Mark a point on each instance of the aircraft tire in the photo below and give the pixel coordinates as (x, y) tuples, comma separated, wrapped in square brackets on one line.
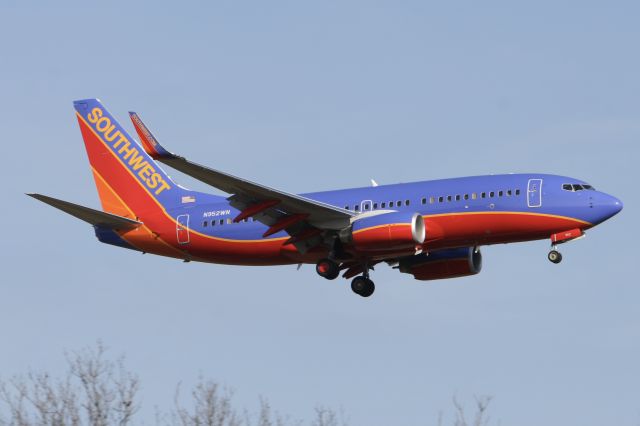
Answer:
[(554, 256), (363, 286), (328, 269)]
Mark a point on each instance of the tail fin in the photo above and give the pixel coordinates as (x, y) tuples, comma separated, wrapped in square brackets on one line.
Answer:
[(129, 181)]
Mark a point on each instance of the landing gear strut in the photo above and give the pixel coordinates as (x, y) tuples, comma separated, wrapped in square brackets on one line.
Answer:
[(328, 269), (561, 238), (554, 256)]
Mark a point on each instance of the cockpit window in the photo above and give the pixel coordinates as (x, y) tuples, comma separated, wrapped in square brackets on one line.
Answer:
[(573, 187)]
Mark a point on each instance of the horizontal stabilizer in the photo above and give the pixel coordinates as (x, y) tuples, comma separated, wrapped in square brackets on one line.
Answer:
[(94, 217)]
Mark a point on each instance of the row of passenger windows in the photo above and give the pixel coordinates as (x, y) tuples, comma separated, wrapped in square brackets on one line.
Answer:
[(228, 221), (400, 203), (440, 199)]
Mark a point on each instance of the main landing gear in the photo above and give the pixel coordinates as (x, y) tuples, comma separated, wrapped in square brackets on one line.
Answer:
[(328, 269), (361, 285)]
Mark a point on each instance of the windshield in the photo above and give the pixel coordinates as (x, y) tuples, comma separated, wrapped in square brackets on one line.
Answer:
[(573, 187)]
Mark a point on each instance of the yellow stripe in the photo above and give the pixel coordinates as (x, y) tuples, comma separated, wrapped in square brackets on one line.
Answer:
[(479, 213), (380, 226), (263, 240), (510, 212)]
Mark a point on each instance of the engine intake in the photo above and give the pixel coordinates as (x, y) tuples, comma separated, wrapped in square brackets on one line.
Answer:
[(450, 263), (388, 231)]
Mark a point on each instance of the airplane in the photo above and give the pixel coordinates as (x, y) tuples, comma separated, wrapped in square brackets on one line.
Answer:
[(430, 229)]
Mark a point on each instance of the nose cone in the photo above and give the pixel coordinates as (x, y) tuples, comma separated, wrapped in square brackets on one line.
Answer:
[(608, 206)]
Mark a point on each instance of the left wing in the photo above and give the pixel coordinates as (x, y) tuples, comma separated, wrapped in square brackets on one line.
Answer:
[(299, 216)]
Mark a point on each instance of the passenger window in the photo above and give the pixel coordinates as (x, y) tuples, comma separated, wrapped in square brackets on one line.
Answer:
[(366, 206), (457, 198), (357, 208), (221, 221), (346, 207), (383, 205), (508, 193), (229, 221), (500, 193), (213, 223), (204, 223), (440, 199), (407, 202), (390, 203), (517, 192), (491, 194), (466, 196), (483, 195), (474, 196), (449, 198), (424, 201), (375, 206), (399, 203), (432, 200)]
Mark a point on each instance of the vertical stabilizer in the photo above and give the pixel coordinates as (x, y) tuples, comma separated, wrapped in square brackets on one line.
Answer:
[(129, 181)]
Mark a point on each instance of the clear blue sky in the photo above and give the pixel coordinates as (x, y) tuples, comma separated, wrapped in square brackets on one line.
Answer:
[(307, 96)]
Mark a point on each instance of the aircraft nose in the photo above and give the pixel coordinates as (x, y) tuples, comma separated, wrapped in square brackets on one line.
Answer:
[(609, 206)]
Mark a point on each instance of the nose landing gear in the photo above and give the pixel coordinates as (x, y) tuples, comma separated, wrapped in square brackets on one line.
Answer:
[(554, 256)]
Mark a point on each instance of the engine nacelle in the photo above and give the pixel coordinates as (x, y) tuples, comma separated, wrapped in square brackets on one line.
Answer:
[(450, 263), (388, 231)]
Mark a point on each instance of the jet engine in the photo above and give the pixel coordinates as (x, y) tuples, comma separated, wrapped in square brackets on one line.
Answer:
[(448, 263), (387, 231)]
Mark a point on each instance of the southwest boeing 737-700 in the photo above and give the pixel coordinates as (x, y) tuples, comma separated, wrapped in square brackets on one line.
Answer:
[(430, 229)]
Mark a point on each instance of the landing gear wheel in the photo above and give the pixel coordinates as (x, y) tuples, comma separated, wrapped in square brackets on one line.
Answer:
[(328, 269), (554, 256), (363, 286)]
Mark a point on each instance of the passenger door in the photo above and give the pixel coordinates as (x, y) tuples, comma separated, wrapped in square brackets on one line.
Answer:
[(534, 193)]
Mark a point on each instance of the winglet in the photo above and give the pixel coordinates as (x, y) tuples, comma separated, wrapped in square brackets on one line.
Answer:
[(149, 142)]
